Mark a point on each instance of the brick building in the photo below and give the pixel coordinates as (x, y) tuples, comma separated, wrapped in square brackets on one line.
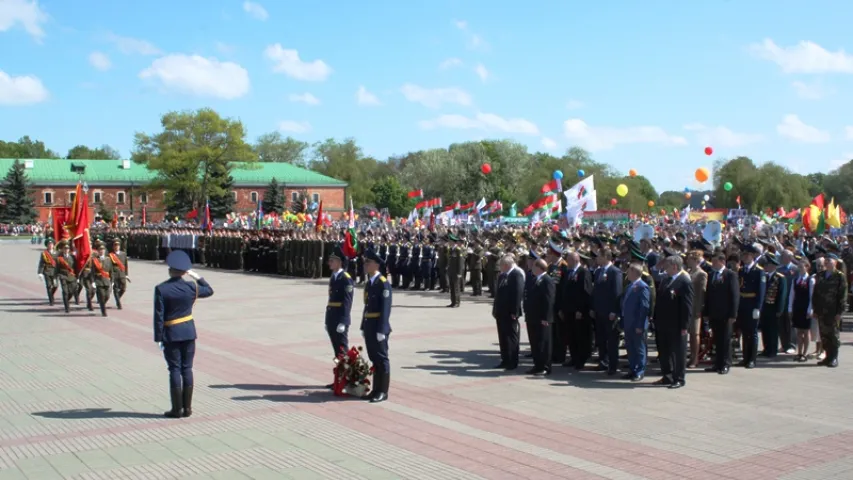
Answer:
[(120, 186)]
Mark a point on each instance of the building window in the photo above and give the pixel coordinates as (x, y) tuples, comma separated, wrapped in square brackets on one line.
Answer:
[(315, 197), (234, 193), (294, 196), (48, 198), (97, 197), (72, 196), (143, 198), (120, 198), (254, 197)]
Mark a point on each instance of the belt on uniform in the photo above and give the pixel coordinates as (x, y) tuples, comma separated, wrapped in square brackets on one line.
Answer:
[(372, 315), (178, 320), (747, 295), (334, 304)]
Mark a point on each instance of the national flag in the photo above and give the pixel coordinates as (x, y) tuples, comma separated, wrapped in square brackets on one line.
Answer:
[(544, 207), (432, 203), (259, 216), (452, 207), (814, 220), (550, 187), (415, 194), (833, 218), (144, 215), (114, 223), (61, 216), (467, 207), (82, 222), (819, 201), (319, 225), (738, 201), (581, 189), (192, 214), (206, 222), (350, 246), (480, 205)]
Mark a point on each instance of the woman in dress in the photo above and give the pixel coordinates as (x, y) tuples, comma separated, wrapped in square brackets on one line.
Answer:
[(800, 309)]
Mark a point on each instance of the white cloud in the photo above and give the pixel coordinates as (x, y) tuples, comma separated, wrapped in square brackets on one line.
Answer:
[(292, 126), (848, 133), (794, 128), (200, 76), (450, 63), (436, 97), (288, 62), (574, 104), (548, 143), (839, 162), (475, 41), (100, 61), (363, 97), (482, 72), (256, 10), (814, 91), (305, 98), (722, 136), (25, 13), (606, 138), (133, 46), (224, 48), (23, 90), (482, 121), (804, 57)]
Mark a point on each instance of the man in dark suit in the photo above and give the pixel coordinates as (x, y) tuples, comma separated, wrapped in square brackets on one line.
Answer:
[(636, 308), (673, 309), (540, 314), (720, 310), (507, 309), (606, 295), (576, 305)]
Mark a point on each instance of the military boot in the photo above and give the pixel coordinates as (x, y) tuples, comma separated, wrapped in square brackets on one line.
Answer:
[(382, 393), (177, 410), (188, 401)]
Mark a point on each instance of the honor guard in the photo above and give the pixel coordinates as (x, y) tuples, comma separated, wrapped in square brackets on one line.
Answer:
[(340, 303), (119, 272), (174, 328), (99, 277), (47, 269), (376, 325), (753, 283), (558, 270), (455, 270), (65, 273)]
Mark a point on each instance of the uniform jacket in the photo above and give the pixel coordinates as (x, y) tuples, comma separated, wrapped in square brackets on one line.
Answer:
[(753, 283), (540, 300), (99, 272), (829, 297), (47, 264), (674, 305), (377, 307), (340, 299), (722, 296), (606, 292), (173, 302), (775, 295), (636, 306), (118, 262), (65, 267)]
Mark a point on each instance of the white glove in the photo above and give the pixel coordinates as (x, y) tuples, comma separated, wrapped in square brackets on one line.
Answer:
[(756, 314), (93, 286), (341, 328), (380, 337), (193, 275), (41, 277), (161, 345), (362, 333)]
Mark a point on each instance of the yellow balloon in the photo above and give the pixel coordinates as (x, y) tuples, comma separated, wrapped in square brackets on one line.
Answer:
[(622, 190)]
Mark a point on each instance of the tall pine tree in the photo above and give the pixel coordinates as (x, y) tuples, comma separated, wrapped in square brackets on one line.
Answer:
[(19, 207), (298, 204), (221, 192), (273, 198)]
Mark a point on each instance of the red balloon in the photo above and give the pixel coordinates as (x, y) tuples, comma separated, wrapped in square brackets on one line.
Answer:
[(372, 214), (709, 151), (613, 201), (486, 169), (555, 228)]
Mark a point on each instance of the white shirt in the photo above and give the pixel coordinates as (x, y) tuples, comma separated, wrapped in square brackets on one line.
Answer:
[(337, 273), (375, 275)]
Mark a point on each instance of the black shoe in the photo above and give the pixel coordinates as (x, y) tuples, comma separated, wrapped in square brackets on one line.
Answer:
[(177, 410), (544, 373), (534, 371), (330, 386), (663, 381), (380, 397), (602, 368), (382, 394), (188, 401), (528, 355), (724, 371), (451, 305), (628, 376), (833, 363), (511, 368), (675, 385), (638, 378), (500, 366), (611, 373), (750, 365), (712, 369), (580, 367)]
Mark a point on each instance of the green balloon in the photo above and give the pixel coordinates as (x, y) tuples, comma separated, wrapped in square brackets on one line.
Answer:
[(728, 186)]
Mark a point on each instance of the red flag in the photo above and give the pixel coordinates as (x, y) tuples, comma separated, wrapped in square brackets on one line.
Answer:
[(842, 216), (192, 214), (143, 216), (82, 222), (319, 224), (61, 216), (819, 202), (738, 201), (415, 194), (552, 186)]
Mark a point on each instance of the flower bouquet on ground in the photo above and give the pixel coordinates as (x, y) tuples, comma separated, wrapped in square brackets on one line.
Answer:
[(352, 374)]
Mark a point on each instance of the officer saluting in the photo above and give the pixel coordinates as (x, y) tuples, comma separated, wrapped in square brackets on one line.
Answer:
[(174, 328), (340, 303), (376, 325)]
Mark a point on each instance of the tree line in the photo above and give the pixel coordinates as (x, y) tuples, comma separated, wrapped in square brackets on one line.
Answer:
[(195, 153)]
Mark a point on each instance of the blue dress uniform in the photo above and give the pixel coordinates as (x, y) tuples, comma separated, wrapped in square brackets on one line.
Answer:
[(427, 255), (415, 266), (376, 328), (775, 303), (753, 282), (174, 328), (339, 307), (404, 257)]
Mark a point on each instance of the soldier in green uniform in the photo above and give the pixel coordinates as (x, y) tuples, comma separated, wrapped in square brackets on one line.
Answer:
[(119, 273), (455, 267), (99, 277), (66, 274), (47, 269), (443, 260), (829, 301), (475, 266)]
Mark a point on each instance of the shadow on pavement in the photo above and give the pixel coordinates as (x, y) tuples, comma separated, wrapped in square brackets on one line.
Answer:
[(89, 413), (268, 388)]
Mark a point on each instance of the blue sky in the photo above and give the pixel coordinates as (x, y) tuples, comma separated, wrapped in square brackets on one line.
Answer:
[(644, 85)]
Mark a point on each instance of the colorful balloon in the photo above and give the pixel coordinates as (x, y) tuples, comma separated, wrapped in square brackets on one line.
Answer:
[(662, 211), (728, 186), (702, 174), (555, 228), (709, 151), (486, 169), (688, 195), (632, 172), (707, 198), (581, 173), (558, 175), (622, 190), (651, 203), (613, 201)]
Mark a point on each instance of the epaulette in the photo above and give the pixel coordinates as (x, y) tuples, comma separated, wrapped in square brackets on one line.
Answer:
[(759, 267), (346, 274), (779, 274), (382, 279)]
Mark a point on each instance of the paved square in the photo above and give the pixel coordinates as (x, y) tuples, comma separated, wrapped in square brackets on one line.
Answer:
[(81, 396)]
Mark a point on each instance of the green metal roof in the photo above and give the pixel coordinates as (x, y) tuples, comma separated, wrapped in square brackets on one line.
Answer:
[(47, 171)]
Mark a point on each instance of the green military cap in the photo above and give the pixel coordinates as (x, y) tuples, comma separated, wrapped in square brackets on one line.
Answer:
[(48, 241), (62, 244)]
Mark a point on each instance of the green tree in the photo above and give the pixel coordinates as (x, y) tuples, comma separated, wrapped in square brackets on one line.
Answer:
[(272, 147), (388, 193), (839, 185), (222, 199), (15, 190), (105, 214), (299, 204), (345, 161), (193, 155), (26, 148), (273, 198), (82, 152), (759, 188)]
